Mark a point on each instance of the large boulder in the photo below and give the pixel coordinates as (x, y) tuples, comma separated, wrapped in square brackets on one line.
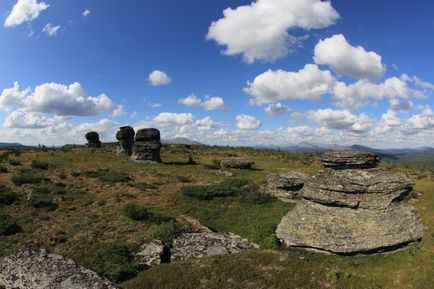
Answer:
[(237, 163), (38, 269), (350, 160), (355, 188), (198, 245), (150, 254), (125, 137), (147, 146), (346, 230), (92, 138), (284, 186)]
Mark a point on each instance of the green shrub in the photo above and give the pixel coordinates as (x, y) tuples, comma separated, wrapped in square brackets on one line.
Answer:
[(115, 177), (27, 178), (39, 165), (3, 169), (168, 231), (14, 163), (8, 226), (256, 197), (230, 187), (113, 260), (215, 165), (42, 201), (136, 212), (184, 179), (7, 197), (145, 186)]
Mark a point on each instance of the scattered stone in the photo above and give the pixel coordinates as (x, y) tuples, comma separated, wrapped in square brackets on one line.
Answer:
[(284, 186), (125, 137), (223, 173), (93, 140), (150, 253), (352, 207), (350, 160), (38, 269), (198, 245), (147, 145), (237, 163)]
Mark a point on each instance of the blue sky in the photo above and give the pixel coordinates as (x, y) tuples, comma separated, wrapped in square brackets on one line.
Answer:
[(261, 72)]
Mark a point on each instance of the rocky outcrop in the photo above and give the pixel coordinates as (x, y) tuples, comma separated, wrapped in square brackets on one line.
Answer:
[(92, 140), (237, 163), (38, 269), (125, 137), (198, 245), (147, 146), (350, 207), (284, 186), (150, 254)]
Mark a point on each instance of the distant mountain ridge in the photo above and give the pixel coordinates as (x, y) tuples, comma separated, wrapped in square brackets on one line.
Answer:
[(10, 145)]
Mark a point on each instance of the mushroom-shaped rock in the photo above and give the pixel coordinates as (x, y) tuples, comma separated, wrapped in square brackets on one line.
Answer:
[(147, 146), (92, 138), (125, 137)]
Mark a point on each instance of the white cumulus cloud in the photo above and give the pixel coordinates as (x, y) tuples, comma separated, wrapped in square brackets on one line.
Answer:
[(174, 119), (20, 119), (24, 10), (159, 78), (308, 83), (340, 120), (277, 108), (259, 31), (13, 96), (209, 103), (86, 13), (344, 58), (191, 100), (247, 122), (50, 29)]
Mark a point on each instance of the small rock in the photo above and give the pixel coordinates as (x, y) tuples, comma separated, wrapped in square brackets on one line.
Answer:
[(237, 163)]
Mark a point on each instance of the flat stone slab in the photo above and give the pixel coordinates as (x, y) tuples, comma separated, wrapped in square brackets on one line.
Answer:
[(38, 269), (198, 245), (237, 163), (347, 231), (355, 188), (350, 159), (284, 186)]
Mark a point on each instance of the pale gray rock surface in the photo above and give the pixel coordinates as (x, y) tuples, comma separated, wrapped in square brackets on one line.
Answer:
[(150, 253), (350, 159), (198, 245), (38, 269), (284, 186), (237, 163)]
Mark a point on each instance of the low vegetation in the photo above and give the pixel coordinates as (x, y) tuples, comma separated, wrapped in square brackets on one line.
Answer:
[(8, 226)]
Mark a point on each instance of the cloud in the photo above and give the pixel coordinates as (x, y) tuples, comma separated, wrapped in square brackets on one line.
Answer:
[(417, 81), (277, 108), (344, 58), (247, 122), (209, 103), (51, 30), (340, 120), (206, 123), (173, 119), (13, 96), (24, 10), (400, 104), (309, 83), (19, 119), (86, 13), (259, 31), (159, 78), (118, 111), (388, 121), (424, 120)]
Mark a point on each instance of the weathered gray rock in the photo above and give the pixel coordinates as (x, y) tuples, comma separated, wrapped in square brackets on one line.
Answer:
[(38, 269), (147, 146), (345, 230), (150, 253), (350, 160), (356, 188), (125, 137), (92, 140), (198, 245), (284, 186), (237, 163)]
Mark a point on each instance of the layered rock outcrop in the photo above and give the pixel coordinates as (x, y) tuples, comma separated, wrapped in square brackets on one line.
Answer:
[(237, 163), (38, 269), (284, 186), (351, 206), (125, 137), (92, 138), (147, 145)]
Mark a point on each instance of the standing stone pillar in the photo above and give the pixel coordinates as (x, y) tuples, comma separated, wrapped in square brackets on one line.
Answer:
[(93, 140), (147, 146), (125, 137)]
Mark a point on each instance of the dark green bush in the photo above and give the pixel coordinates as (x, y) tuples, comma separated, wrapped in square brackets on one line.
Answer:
[(215, 165), (230, 187), (27, 178), (8, 226), (115, 177), (136, 212), (256, 197), (39, 165), (3, 169), (7, 197), (14, 163), (168, 231), (42, 201), (145, 186), (113, 260)]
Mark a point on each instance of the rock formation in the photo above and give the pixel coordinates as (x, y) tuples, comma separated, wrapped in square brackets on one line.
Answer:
[(93, 140), (147, 145), (150, 254), (284, 186), (38, 269), (351, 206), (125, 137), (198, 245), (237, 163)]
